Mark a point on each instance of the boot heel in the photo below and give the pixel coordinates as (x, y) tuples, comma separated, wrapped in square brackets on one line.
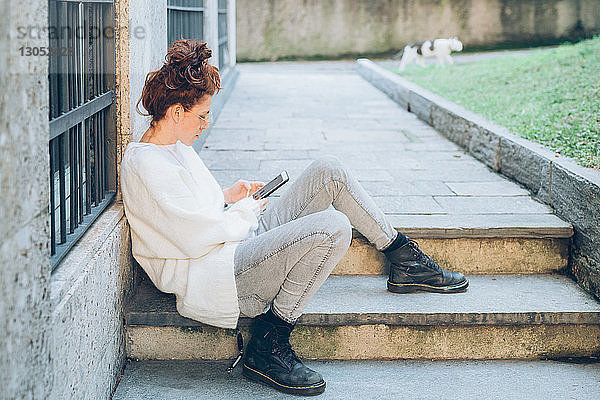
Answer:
[(400, 288)]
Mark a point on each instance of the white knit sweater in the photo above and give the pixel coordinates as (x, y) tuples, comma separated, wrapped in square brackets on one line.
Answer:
[(181, 235)]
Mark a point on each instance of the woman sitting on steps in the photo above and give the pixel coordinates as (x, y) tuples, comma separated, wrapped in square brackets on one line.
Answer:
[(263, 262)]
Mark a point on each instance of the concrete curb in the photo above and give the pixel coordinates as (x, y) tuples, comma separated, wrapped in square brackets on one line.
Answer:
[(571, 190)]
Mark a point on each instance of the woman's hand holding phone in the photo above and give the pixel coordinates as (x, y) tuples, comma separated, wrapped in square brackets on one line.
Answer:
[(242, 188), (258, 190)]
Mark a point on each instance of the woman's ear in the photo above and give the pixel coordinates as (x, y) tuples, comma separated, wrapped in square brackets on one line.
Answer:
[(176, 112)]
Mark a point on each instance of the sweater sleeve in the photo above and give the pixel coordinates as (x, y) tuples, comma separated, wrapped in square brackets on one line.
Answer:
[(165, 206)]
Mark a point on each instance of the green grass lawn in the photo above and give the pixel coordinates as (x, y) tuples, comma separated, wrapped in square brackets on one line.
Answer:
[(551, 96)]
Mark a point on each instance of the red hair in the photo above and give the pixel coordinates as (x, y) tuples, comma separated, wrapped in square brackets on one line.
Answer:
[(184, 78)]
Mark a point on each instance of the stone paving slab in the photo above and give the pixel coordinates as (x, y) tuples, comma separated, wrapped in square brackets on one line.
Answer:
[(191, 379), (504, 188), (422, 188), (492, 205), (409, 205)]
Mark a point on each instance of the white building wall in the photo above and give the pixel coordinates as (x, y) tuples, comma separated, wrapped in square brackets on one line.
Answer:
[(231, 32), (147, 50), (211, 29)]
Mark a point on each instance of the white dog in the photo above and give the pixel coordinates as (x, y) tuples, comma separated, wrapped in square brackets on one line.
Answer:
[(439, 48)]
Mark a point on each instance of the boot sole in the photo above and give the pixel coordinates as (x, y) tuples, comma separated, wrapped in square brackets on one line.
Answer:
[(258, 376), (419, 287)]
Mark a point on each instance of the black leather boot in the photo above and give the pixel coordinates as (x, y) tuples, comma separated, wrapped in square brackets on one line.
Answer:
[(270, 359), (411, 270)]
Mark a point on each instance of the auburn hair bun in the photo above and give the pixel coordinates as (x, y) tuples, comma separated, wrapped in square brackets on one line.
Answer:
[(184, 78), (187, 52), (186, 64)]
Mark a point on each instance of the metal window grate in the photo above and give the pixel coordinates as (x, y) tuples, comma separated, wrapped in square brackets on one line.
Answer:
[(82, 141), (185, 19)]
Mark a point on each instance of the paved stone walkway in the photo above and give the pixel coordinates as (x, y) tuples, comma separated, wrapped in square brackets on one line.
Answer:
[(381, 379), (284, 115)]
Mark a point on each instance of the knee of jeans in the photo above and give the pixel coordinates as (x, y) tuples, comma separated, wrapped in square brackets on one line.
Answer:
[(329, 164), (341, 228)]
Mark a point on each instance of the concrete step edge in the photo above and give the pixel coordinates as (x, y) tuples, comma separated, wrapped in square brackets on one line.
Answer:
[(517, 300), (392, 319), (457, 232)]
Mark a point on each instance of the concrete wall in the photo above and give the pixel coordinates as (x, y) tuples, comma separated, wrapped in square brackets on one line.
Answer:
[(309, 28), (89, 289), (146, 53), (24, 228)]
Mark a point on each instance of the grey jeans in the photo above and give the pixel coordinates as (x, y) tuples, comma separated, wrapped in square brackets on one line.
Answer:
[(300, 239)]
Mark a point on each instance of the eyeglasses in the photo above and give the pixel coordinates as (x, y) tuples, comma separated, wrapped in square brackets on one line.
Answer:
[(205, 119)]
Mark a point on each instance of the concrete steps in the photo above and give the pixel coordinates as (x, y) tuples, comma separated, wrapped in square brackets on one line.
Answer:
[(463, 214), (516, 306), (398, 379), (499, 317)]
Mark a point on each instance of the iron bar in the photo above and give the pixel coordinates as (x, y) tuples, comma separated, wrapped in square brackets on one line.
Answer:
[(86, 57), (62, 67), (52, 209), (79, 176), (75, 116), (72, 196), (101, 171), (72, 11), (102, 62), (61, 177), (94, 59), (182, 8), (96, 162), (88, 177)]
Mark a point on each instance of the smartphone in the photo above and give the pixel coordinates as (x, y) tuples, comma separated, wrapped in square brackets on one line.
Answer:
[(272, 186)]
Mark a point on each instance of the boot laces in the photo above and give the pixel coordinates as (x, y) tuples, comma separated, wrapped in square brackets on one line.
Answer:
[(422, 257), (283, 349)]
